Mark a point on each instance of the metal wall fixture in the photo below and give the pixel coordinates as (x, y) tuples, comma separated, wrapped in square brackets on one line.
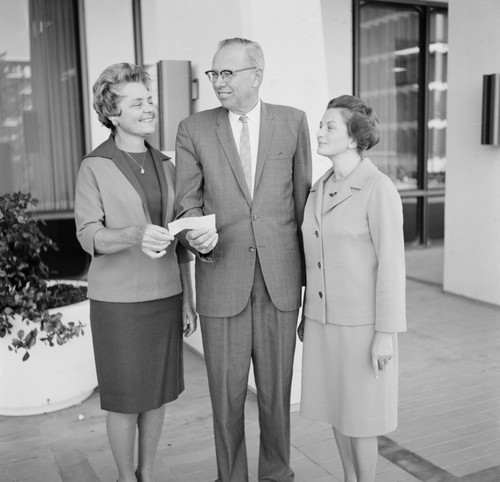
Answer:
[(490, 119)]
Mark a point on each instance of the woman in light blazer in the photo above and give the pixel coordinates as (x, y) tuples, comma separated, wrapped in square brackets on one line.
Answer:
[(355, 293), (139, 280)]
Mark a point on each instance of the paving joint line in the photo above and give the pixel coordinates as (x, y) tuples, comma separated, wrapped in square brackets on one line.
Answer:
[(425, 470)]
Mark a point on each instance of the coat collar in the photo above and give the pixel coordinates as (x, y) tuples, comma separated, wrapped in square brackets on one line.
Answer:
[(355, 182), (109, 150)]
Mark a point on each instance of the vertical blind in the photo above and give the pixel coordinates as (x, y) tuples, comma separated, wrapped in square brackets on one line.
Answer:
[(41, 120), (389, 73)]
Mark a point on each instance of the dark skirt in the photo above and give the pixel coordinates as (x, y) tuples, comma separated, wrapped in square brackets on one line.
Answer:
[(138, 353)]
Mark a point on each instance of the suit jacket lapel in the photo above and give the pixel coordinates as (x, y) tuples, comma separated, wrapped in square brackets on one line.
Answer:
[(266, 132), (226, 138)]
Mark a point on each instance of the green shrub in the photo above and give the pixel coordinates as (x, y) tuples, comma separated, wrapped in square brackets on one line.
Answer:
[(24, 287)]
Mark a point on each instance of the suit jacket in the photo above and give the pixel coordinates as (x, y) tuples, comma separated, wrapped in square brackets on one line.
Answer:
[(210, 180), (109, 195), (354, 251)]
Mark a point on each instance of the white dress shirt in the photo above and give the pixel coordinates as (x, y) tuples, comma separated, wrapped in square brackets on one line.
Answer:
[(253, 132)]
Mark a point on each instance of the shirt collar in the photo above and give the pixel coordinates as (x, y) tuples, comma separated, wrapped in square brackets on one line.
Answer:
[(253, 115)]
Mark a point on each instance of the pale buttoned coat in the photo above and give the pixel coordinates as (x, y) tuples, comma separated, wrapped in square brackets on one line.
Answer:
[(354, 251)]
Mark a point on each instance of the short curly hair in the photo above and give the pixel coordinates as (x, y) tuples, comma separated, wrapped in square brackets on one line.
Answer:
[(106, 89), (361, 120)]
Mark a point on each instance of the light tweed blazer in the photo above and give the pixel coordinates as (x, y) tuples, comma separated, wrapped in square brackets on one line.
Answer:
[(109, 195), (210, 179), (354, 248)]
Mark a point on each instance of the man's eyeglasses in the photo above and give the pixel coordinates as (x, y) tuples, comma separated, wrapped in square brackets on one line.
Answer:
[(226, 75)]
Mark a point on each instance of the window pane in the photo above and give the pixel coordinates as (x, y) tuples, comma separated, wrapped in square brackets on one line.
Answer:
[(41, 121), (412, 225), (388, 80), (436, 217), (438, 88)]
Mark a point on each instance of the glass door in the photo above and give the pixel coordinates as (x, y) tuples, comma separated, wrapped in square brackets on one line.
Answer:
[(400, 69)]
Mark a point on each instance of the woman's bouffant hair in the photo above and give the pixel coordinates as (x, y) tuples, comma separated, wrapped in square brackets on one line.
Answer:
[(106, 89), (360, 118)]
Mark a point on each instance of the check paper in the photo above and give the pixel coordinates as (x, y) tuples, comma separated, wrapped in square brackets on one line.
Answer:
[(195, 222)]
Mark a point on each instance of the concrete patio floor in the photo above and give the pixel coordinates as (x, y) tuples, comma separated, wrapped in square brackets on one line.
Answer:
[(449, 426)]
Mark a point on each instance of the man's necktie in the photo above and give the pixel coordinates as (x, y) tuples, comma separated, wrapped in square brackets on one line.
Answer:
[(246, 160)]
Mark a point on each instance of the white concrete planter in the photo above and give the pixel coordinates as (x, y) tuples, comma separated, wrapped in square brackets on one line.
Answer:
[(52, 378)]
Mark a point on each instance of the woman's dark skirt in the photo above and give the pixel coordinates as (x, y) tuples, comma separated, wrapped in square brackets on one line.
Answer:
[(138, 353)]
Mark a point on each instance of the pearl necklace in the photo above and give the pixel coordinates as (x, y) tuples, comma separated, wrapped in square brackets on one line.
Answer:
[(143, 160)]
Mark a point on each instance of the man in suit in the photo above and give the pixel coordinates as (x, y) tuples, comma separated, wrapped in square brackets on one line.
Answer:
[(254, 173)]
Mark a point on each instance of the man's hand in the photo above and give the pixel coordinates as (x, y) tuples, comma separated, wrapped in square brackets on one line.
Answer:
[(203, 240)]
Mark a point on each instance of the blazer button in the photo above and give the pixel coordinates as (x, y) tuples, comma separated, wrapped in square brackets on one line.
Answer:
[(254, 217), (320, 294), (251, 249), (316, 234), (319, 264)]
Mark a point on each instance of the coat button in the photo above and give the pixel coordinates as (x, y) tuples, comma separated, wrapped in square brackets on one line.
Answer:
[(320, 294), (254, 217), (251, 249), (316, 234), (319, 264)]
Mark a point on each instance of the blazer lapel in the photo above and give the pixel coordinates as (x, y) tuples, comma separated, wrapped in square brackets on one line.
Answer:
[(226, 138), (166, 186), (266, 132)]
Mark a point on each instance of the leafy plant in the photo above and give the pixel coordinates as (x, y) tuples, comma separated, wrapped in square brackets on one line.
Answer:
[(24, 285)]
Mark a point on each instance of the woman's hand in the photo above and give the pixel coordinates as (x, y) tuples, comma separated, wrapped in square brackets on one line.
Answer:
[(300, 329), (189, 318), (382, 351), (154, 240)]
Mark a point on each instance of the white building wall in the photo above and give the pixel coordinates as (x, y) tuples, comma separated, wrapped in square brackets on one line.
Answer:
[(180, 30), (108, 39), (289, 31), (472, 209)]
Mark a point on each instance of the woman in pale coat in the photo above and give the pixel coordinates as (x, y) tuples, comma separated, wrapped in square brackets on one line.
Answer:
[(355, 295), (140, 287)]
